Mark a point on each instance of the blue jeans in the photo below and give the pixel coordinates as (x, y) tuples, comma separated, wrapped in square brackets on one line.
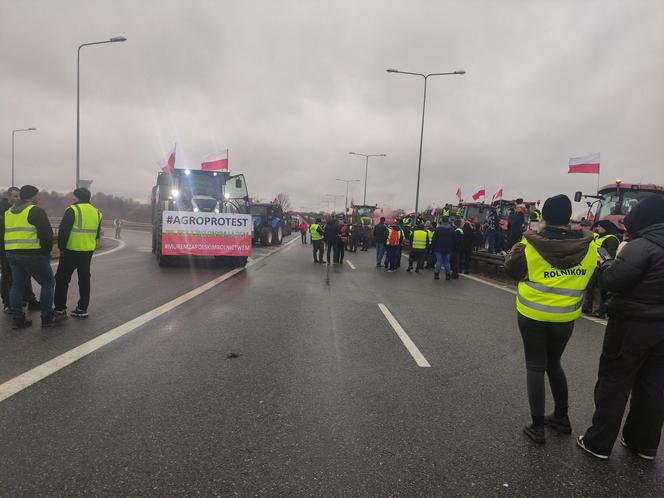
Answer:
[(380, 253), (442, 259), (38, 267), (493, 237)]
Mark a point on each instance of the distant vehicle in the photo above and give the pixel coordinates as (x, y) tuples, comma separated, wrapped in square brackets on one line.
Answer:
[(270, 224), (615, 200), (363, 218), (197, 191), (475, 211)]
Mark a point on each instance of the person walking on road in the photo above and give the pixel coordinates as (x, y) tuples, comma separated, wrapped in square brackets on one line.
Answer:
[(316, 235), (469, 235), (303, 231), (332, 240), (117, 223), (632, 360), (458, 249), (28, 240), (393, 242), (13, 196), (553, 268), (419, 243), (77, 238), (442, 245), (343, 241), (380, 237)]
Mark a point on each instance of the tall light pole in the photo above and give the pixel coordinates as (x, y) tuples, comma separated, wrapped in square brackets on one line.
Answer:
[(347, 182), (366, 169), (14, 133), (424, 103), (115, 39)]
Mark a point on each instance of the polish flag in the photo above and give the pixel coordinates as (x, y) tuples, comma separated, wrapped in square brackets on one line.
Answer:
[(215, 162), (591, 216), (585, 164), (479, 192), (170, 164), (497, 195), (458, 193)]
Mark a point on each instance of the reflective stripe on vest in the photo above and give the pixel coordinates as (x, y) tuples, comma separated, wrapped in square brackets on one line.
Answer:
[(554, 294), (599, 239), (83, 236), (419, 239), (446, 212), (459, 230), (313, 229), (19, 232)]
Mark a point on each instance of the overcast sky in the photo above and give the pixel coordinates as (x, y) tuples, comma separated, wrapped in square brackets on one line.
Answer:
[(291, 87)]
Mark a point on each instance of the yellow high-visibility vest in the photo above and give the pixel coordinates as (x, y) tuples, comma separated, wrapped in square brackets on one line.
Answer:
[(19, 232), (554, 294), (313, 229), (83, 236), (420, 239), (446, 212)]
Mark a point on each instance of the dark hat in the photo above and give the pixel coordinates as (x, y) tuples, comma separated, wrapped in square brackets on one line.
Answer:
[(557, 210), (28, 192), (82, 194), (607, 225), (648, 211)]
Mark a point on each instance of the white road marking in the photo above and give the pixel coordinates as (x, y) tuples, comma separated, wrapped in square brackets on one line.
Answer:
[(350, 263), (44, 370), (27, 379), (121, 245), (512, 291), (410, 345)]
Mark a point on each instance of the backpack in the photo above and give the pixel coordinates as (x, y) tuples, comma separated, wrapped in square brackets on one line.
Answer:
[(393, 239)]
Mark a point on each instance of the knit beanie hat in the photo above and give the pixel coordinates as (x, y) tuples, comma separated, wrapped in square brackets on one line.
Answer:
[(557, 210), (648, 211), (82, 194), (28, 192)]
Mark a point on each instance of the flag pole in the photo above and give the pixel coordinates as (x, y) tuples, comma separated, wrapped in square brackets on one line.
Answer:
[(228, 162)]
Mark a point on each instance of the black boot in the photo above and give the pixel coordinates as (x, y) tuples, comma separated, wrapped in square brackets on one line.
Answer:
[(536, 433), (560, 424), (436, 276), (53, 320), (20, 322), (447, 276)]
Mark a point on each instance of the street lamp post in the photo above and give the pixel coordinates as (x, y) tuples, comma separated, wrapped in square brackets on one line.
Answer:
[(115, 39), (366, 169), (347, 182), (424, 103), (14, 133)]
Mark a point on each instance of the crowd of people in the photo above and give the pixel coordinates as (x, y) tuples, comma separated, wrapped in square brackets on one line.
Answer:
[(27, 242), (561, 272)]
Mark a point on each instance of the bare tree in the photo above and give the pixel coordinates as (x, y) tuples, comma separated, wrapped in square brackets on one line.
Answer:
[(283, 201)]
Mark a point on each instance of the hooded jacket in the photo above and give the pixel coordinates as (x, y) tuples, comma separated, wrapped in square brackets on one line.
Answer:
[(635, 279), (443, 239), (37, 217), (561, 247)]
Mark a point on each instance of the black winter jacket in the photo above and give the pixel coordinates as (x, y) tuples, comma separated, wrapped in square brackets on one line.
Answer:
[(380, 233), (635, 279), (443, 239), (39, 219)]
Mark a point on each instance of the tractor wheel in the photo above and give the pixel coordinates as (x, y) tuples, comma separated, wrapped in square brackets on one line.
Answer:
[(278, 236), (266, 237)]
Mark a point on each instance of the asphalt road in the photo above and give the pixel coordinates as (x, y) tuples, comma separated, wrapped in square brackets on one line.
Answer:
[(288, 380)]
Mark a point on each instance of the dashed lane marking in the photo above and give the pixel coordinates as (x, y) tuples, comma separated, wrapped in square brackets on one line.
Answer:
[(410, 345), (34, 375), (350, 263)]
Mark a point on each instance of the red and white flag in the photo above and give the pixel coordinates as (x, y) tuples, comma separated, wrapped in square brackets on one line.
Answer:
[(170, 164), (458, 193), (585, 164), (214, 162), (497, 195), (479, 192)]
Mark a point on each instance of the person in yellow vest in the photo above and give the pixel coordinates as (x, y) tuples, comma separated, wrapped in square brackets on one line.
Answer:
[(77, 239), (419, 243), (317, 234), (607, 237), (27, 236), (553, 268)]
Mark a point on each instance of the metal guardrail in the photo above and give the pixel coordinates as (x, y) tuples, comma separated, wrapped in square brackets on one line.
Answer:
[(128, 225)]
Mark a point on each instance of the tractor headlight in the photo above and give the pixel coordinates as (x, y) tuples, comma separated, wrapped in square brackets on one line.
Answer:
[(175, 193)]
